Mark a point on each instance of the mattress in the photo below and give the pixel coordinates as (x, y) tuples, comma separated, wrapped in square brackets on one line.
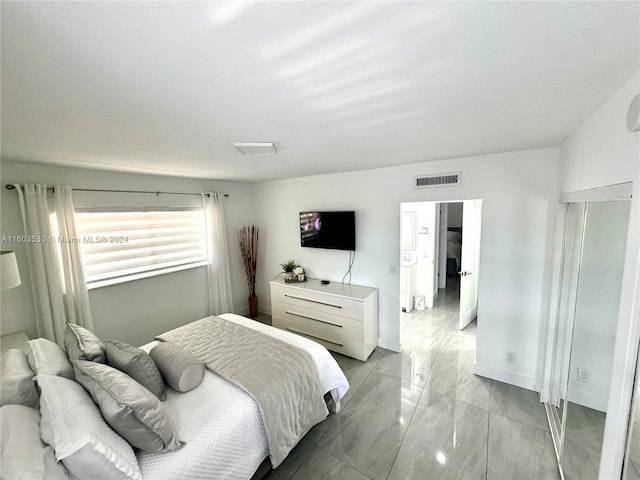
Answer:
[(221, 423)]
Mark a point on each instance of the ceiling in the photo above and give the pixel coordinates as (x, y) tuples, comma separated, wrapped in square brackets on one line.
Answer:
[(167, 87)]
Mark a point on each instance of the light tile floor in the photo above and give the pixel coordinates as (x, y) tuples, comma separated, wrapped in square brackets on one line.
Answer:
[(422, 414), (584, 430), (633, 467)]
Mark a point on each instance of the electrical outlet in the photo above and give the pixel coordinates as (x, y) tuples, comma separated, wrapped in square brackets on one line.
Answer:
[(583, 375), (510, 357)]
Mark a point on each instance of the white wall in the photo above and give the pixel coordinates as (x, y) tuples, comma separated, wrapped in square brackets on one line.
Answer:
[(602, 152), (519, 193), (134, 311), (425, 252), (454, 215)]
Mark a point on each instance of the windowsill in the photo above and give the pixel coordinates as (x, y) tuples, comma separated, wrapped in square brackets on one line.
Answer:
[(139, 276)]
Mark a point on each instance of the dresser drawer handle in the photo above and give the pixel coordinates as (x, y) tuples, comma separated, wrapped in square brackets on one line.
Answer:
[(313, 336), (314, 319), (313, 301)]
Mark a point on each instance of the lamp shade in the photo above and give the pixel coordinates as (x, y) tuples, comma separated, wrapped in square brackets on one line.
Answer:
[(633, 115), (9, 273)]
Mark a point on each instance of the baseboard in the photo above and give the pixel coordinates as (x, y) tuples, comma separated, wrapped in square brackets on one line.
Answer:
[(512, 378), (244, 311), (587, 399), (393, 346)]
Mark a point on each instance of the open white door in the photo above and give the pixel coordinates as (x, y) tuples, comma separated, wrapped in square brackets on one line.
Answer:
[(469, 261)]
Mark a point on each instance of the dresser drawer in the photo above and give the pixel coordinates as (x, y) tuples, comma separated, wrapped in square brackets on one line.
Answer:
[(345, 307), (344, 345), (317, 320)]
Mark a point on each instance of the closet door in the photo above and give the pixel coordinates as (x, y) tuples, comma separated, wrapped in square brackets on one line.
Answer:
[(572, 253), (592, 343), (595, 238)]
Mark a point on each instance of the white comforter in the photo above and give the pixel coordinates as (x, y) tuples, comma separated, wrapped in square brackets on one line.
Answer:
[(222, 424)]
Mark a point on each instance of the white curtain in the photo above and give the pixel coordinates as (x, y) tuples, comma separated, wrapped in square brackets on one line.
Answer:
[(55, 263), (220, 298)]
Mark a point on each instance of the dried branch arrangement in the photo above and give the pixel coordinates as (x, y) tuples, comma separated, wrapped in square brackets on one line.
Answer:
[(248, 239)]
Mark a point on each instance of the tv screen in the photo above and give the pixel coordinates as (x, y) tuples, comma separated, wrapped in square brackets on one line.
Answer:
[(336, 230)]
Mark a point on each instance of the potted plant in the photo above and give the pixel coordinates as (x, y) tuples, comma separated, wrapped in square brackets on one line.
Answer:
[(248, 239), (287, 268)]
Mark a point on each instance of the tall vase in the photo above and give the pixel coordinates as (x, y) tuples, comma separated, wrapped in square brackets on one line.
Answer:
[(253, 306)]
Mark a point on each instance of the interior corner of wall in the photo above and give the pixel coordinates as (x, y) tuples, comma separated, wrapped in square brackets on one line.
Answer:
[(392, 345), (512, 378)]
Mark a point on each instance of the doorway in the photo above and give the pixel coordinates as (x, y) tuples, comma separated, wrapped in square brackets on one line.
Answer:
[(440, 258)]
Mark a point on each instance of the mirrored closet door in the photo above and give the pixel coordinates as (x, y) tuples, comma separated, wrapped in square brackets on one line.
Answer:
[(595, 235), (632, 461)]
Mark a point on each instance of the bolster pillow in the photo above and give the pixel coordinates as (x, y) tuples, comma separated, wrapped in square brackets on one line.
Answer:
[(180, 370)]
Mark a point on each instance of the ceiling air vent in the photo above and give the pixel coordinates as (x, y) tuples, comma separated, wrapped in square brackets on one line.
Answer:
[(438, 180)]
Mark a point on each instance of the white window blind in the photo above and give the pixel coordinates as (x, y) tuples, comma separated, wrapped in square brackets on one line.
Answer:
[(127, 245)]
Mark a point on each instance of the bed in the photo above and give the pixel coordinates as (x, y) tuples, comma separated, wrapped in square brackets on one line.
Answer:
[(228, 436), (223, 425)]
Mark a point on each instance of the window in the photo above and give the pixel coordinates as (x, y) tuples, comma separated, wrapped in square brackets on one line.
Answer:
[(119, 246)]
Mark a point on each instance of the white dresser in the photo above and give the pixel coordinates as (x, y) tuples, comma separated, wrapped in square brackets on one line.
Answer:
[(343, 318)]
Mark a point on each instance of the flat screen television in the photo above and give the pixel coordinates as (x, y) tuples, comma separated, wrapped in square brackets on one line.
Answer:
[(335, 230)]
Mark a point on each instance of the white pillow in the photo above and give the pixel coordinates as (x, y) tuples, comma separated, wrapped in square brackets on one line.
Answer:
[(23, 454), (48, 358), (71, 423), (16, 380)]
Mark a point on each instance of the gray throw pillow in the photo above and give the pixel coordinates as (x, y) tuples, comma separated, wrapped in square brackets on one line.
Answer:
[(16, 380), (81, 344), (47, 358), (129, 408), (137, 364), (181, 370)]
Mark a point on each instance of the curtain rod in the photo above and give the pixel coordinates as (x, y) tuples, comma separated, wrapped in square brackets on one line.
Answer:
[(12, 187)]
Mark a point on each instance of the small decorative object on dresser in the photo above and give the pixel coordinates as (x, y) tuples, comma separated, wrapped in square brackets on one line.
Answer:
[(248, 239), (299, 273), (343, 318), (287, 269)]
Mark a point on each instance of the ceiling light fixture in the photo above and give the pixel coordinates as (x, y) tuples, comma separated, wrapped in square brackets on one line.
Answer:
[(256, 148)]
